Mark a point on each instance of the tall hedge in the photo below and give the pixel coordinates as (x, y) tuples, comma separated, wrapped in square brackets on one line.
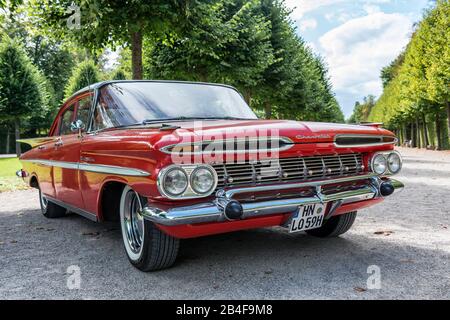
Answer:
[(22, 87), (82, 76)]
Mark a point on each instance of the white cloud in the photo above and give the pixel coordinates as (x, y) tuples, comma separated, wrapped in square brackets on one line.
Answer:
[(371, 9), (357, 50), (305, 24)]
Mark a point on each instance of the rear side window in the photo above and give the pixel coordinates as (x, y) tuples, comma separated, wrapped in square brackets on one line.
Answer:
[(66, 120)]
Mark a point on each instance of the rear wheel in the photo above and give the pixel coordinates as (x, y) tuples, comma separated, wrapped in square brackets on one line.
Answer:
[(335, 226), (147, 247), (49, 209)]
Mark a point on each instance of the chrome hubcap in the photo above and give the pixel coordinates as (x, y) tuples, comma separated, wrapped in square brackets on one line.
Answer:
[(133, 221)]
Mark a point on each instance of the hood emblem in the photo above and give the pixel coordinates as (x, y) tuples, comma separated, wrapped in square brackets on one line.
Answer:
[(319, 136)]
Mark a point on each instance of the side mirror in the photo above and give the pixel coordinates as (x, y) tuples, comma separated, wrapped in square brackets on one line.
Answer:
[(77, 126)]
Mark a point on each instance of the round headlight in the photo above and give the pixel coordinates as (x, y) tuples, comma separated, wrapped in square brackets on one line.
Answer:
[(175, 182), (202, 180), (379, 164), (394, 163)]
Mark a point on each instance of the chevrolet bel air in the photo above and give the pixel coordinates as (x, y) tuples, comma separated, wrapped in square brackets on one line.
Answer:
[(172, 160)]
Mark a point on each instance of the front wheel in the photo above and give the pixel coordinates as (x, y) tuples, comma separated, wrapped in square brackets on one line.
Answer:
[(147, 247), (335, 226), (49, 209)]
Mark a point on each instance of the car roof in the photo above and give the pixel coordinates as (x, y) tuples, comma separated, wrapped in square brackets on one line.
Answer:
[(100, 84)]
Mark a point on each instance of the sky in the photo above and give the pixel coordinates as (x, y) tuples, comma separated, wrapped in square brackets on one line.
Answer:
[(356, 38)]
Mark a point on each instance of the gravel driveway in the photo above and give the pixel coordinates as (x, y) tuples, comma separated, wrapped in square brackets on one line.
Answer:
[(407, 238)]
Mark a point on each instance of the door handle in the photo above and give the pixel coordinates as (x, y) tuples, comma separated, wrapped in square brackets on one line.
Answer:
[(59, 142)]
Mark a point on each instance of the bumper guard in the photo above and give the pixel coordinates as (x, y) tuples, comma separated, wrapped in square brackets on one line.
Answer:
[(213, 211)]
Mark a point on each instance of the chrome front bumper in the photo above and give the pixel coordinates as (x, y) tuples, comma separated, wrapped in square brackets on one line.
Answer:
[(213, 211)]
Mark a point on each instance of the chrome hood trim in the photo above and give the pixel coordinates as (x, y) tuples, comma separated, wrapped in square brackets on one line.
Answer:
[(222, 146)]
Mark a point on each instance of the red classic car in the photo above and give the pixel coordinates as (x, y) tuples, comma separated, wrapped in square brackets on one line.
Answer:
[(172, 160)]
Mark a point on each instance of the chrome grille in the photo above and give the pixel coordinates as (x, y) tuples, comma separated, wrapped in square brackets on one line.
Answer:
[(288, 169)]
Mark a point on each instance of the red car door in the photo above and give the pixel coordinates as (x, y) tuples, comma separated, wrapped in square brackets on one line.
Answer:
[(66, 157)]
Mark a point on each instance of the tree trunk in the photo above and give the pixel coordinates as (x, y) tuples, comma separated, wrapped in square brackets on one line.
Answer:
[(268, 110), (438, 133), (7, 141), (247, 97), (420, 133), (448, 115), (136, 55), (425, 131), (17, 133)]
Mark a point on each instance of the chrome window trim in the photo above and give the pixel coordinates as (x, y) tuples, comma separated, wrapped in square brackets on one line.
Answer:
[(288, 141), (96, 168), (189, 193), (381, 143)]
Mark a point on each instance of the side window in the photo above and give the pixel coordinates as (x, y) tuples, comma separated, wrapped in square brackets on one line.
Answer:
[(66, 120), (84, 107)]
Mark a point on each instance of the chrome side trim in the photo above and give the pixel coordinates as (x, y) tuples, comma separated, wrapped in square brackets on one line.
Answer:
[(71, 208), (212, 211), (124, 171), (97, 168), (381, 143)]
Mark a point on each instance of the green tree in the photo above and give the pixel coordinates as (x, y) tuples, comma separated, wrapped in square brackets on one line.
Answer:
[(416, 101), (105, 23), (225, 41), (391, 71), (119, 74), (22, 87), (253, 46), (84, 75), (362, 111)]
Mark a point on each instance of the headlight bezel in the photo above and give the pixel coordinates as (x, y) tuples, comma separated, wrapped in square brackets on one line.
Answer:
[(396, 153), (386, 155), (189, 192), (213, 176), (374, 158)]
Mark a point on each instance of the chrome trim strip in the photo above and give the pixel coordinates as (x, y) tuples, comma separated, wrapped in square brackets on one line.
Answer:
[(365, 144), (97, 168), (289, 144), (71, 208), (124, 171), (212, 211)]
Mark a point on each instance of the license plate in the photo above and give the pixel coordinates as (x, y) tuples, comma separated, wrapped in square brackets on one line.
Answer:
[(308, 217)]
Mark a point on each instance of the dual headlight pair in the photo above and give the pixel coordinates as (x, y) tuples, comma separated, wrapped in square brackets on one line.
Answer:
[(386, 163), (187, 181)]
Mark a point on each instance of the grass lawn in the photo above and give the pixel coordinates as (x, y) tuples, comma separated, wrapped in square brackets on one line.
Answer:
[(8, 179)]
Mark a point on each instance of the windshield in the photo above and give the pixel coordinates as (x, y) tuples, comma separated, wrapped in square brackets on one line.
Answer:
[(130, 103)]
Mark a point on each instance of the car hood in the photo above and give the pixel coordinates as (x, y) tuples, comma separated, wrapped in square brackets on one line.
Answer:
[(298, 132)]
